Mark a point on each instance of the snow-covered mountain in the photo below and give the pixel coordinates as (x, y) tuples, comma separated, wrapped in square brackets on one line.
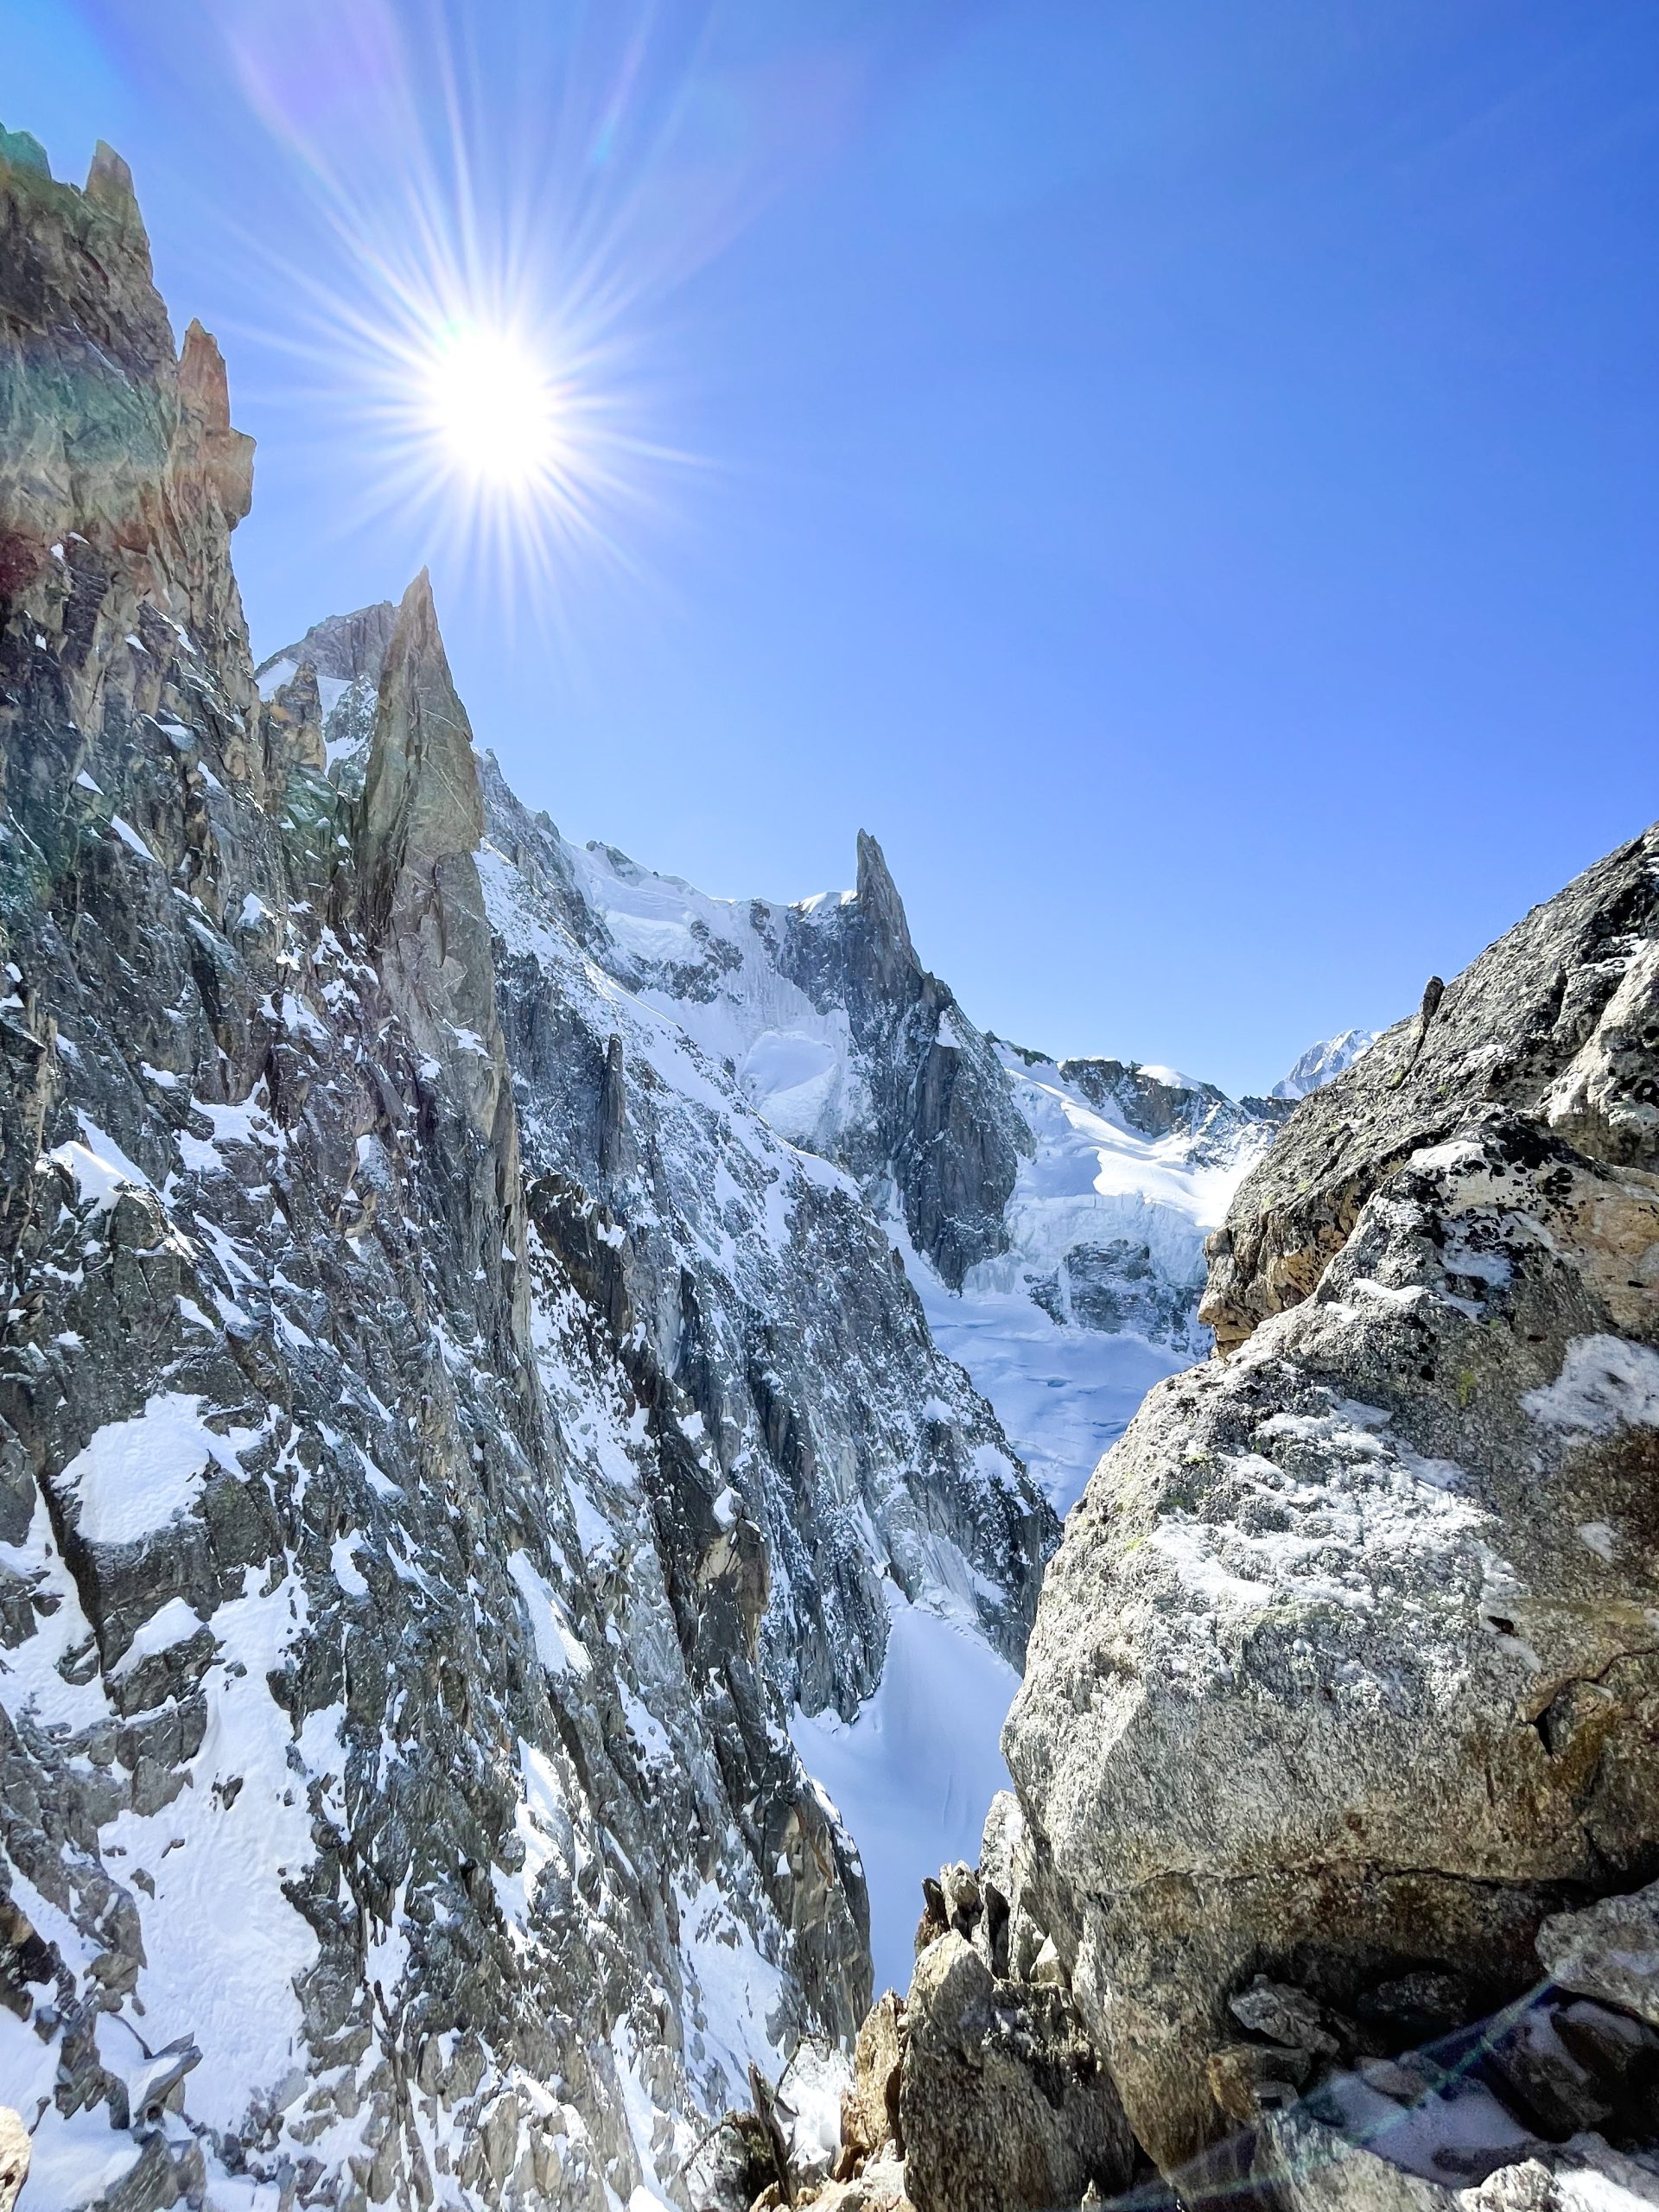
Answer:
[(1322, 1063), (1052, 1215), (450, 1441)]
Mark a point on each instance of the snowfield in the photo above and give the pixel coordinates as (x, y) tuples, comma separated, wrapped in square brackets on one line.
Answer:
[(913, 1775)]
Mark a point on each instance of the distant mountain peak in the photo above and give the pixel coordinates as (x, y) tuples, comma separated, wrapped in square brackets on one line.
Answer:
[(879, 905), (1323, 1062), (347, 648)]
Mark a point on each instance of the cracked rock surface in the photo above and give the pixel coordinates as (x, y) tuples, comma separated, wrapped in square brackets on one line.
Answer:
[(1347, 1670)]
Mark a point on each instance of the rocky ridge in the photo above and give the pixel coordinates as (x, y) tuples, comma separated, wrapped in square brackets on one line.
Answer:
[(444, 1430), (1329, 1871), (1051, 1214), (1343, 1681)]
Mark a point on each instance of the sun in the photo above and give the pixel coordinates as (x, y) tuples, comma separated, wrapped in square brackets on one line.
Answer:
[(492, 407), (502, 398)]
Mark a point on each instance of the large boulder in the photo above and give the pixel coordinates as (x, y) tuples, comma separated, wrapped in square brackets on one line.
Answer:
[(1610, 1950), (1345, 1673), (1317, 2167)]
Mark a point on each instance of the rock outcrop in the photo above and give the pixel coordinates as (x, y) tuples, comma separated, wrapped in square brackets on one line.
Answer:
[(1345, 1675), (321, 696), (121, 478), (14, 2157), (981, 2090), (444, 1431), (1535, 1010), (1608, 1950), (985, 2088), (1005, 2106)]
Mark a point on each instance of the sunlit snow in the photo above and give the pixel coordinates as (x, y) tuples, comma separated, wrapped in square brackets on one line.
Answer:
[(913, 1776)]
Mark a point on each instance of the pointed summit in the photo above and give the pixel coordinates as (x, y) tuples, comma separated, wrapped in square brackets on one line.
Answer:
[(109, 180), (421, 801), (109, 188), (202, 377), (420, 823), (880, 907), (227, 453)]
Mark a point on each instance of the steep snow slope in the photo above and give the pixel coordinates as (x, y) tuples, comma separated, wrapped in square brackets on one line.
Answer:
[(912, 1774)]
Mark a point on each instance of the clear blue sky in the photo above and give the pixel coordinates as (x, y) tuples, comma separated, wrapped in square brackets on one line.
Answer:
[(1184, 472)]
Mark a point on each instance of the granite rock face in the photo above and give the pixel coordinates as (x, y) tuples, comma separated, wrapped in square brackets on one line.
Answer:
[(1346, 1672), (1609, 1950), (985, 2087), (444, 1428), (940, 1120), (321, 696), (1005, 2105)]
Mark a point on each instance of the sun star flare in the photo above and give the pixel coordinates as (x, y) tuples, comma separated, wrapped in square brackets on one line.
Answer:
[(492, 407)]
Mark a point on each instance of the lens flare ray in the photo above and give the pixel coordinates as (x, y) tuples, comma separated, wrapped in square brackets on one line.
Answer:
[(484, 320)]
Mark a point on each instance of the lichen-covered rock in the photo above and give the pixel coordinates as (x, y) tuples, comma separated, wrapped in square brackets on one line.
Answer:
[(1344, 1674), (1551, 2099)]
